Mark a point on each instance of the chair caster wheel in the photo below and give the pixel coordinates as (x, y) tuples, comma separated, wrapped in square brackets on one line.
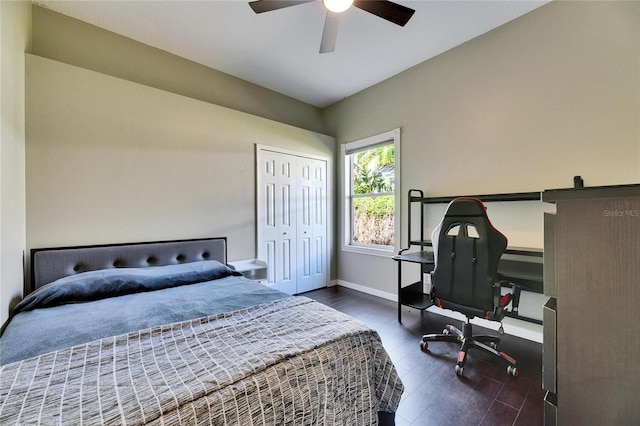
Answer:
[(512, 371), (424, 346), (459, 371)]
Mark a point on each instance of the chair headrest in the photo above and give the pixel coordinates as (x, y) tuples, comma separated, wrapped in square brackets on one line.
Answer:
[(466, 206)]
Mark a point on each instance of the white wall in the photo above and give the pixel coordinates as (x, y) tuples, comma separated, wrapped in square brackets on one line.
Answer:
[(109, 160), (15, 21), (524, 107)]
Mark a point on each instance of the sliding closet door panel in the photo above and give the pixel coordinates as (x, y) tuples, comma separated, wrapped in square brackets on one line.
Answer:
[(312, 232), (305, 232), (320, 222), (287, 229), (277, 221)]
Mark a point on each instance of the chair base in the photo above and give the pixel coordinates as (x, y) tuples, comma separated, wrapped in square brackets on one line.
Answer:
[(486, 343)]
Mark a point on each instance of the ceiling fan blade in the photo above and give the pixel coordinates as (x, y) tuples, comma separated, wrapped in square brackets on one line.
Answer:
[(260, 6), (330, 32), (388, 10)]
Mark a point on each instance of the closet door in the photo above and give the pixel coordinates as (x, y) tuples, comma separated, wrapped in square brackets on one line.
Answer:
[(311, 183), (277, 219), (292, 220)]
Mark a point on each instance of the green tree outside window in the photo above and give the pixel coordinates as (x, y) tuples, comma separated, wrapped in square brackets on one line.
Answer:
[(373, 215)]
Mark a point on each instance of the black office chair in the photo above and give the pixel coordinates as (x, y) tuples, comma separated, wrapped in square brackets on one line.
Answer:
[(467, 249)]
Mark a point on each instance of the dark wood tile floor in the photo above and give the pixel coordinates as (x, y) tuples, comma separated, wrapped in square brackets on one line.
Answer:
[(434, 394)]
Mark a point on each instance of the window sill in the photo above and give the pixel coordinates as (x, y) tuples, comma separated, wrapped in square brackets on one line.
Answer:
[(370, 251)]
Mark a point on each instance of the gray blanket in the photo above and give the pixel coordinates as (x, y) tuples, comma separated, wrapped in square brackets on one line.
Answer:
[(291, 361), (36, 330)]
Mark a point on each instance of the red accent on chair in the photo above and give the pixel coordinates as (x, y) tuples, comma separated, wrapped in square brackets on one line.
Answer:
[(507, 357), (504, 301)]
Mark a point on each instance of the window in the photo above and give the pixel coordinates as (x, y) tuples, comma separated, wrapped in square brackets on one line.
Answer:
[(371, 183)]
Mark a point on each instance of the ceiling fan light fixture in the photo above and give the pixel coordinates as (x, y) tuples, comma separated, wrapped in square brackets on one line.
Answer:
[(337, 6)]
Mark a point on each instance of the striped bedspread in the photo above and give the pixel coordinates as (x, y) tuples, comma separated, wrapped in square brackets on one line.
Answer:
[(292, 361)]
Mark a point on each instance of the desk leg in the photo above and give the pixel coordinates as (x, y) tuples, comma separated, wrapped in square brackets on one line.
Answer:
[(399, 291)]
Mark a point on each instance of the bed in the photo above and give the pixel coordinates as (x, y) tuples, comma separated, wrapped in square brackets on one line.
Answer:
[(167, 333)]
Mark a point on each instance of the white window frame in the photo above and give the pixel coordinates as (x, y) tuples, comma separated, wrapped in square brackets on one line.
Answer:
[(346, 178)]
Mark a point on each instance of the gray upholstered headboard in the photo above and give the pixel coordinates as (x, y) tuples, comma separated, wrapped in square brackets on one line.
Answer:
[(50, 264)]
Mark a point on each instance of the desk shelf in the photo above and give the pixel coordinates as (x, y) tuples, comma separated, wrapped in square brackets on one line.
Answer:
[(413, 295), (422, 257)]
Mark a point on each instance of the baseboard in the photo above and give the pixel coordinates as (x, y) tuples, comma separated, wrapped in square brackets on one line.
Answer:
[(512, 326), (368, 290)]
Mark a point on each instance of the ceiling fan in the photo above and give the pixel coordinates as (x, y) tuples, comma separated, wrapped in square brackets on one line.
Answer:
[(384, 9)]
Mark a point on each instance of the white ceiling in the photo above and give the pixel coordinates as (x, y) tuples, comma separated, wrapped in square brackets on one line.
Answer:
[(279, 49)]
